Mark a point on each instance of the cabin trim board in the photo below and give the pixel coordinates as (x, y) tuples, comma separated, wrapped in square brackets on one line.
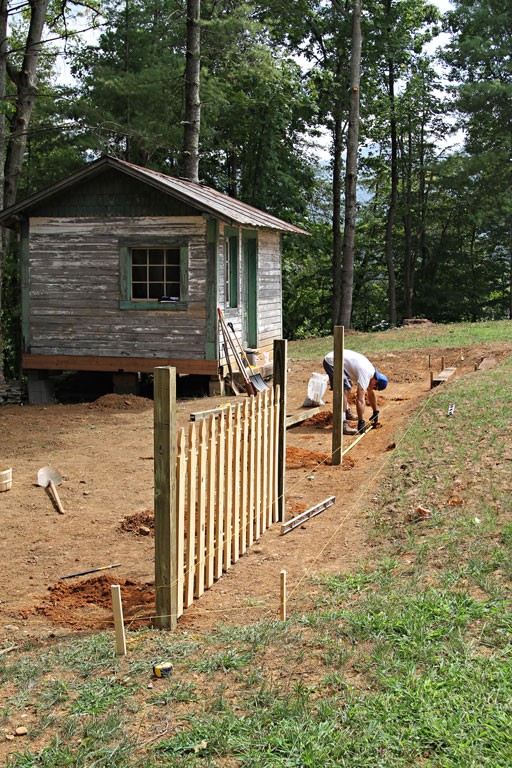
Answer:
[(117, 364)]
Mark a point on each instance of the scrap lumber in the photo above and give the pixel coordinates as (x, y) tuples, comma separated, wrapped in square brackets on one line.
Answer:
[(442, 376), (297, 418), (307, 515)]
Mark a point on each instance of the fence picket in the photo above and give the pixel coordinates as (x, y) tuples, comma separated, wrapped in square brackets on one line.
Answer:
[(219, 508), (210, 511), (201, 512), (270, 467), (252, 470), (181, 493), (275, 476), (257, 480), (191, 517), (228, 509), (235, 540), (244, 476), (264, 461)]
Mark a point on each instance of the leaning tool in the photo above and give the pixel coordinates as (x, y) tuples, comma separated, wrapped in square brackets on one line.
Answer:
[(248, 385), (232, 382), (49, 477), (92, 570), (254, 374)]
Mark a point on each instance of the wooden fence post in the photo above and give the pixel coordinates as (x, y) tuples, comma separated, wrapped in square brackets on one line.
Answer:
[(166, 582), (337, 396), (280, 379)]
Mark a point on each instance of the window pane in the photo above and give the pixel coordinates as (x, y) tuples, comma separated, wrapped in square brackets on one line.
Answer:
[(139, 291), (172, 274), (156, 274), (172, 290), (139, 256), (156, 290), (156, 255), (173, 256), (139, 274)]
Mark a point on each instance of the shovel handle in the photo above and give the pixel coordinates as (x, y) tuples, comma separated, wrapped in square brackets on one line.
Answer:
[(56, 497)]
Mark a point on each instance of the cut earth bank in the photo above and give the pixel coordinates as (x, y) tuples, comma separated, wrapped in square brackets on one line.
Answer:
[(104, 452)]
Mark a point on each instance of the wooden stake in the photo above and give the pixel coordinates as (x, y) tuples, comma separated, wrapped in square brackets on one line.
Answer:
[(166, 584), (337, 396), (280, 380), (117, 607), (283, 595)]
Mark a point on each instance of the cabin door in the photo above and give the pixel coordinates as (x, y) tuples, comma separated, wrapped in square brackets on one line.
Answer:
[(250, 247)]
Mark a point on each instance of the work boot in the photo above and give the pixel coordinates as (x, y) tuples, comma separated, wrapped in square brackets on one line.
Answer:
[(347, 430), (351, 416)]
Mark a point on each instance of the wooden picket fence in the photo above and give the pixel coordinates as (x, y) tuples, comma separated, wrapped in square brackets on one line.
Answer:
[(226, 490)]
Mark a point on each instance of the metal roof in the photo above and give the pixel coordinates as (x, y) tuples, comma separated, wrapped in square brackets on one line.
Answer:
[(205, 199)]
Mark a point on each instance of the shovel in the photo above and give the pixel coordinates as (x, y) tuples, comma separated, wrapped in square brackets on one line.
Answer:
[(49, 477)]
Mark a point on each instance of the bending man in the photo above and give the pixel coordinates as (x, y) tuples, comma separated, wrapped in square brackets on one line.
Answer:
[(357, 368)]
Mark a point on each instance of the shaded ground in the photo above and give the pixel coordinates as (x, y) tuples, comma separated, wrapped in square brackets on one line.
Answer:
[(104, 452)]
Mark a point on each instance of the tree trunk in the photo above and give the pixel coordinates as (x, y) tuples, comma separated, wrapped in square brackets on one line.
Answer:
[(3, 91), (192, 95), (409, 255), (25, 81), (337, 162), (393, 198), (510, 276), (349, 231)]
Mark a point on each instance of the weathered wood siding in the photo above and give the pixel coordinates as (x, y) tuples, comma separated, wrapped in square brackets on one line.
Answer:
[(74, 290), (270, 294)]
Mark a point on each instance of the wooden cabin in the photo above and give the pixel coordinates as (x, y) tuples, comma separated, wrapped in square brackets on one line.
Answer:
[(123, 269)]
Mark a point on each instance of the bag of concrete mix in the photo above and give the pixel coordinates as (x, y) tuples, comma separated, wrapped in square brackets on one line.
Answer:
[(317, 385)]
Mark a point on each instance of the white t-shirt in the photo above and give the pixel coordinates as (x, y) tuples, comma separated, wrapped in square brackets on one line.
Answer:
[(357, 367)]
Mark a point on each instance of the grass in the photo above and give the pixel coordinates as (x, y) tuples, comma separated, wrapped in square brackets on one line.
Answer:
[(452, 336), (405, 662)]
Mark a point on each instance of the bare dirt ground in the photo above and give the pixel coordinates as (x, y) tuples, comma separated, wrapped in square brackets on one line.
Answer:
[(104, 452)]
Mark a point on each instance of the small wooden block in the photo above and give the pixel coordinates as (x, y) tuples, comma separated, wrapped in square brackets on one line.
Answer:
[(487, 363)]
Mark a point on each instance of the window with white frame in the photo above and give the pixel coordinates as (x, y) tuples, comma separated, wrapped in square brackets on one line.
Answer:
[(153, 276)]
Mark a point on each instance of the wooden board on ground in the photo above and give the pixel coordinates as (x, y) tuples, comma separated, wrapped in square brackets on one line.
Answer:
[(443, 376), (293, 419), (307, 515)]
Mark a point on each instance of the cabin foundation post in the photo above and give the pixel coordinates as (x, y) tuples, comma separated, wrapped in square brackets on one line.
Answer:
[(125, 383), (216, 386), (40, 388)]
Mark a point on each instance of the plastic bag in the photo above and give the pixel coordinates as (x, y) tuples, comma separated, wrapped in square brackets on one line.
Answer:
[(317, 385)]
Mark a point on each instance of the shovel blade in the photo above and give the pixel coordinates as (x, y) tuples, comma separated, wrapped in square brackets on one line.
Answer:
[(258, 383), (48, 474)]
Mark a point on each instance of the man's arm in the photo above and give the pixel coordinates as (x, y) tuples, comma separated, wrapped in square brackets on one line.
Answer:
[(372, 399), (360, 402)]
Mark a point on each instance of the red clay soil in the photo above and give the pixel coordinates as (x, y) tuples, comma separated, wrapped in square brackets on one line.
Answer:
[(104, 452)]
